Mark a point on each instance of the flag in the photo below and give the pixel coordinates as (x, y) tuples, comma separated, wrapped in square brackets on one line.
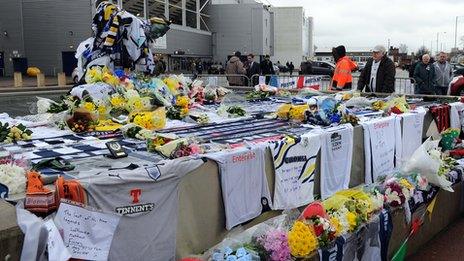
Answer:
[(401, 253)]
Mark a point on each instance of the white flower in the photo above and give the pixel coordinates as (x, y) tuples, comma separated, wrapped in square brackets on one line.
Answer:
[(131, 94), (13, 177), (392, 196)]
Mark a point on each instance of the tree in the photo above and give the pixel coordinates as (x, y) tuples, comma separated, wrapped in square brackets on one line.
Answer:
[(403, 48), (421, 51)]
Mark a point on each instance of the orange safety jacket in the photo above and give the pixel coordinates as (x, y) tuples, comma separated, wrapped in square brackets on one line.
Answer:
[(342, 78)]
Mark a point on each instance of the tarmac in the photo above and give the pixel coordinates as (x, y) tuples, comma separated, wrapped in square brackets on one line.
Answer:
[(447, 245), (6, 82)]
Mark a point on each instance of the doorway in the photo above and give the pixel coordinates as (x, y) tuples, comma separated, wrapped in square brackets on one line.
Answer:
[(69, 62)]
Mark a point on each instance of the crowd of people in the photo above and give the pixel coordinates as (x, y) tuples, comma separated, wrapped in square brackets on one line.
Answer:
[(430, 77)]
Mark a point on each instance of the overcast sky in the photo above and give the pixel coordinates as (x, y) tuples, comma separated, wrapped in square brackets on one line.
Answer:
[(365, 23)]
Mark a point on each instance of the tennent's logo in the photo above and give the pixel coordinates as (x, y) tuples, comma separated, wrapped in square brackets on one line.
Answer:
[(135, 193)]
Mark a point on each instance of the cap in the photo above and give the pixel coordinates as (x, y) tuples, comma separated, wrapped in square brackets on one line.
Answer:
[(379, 49)]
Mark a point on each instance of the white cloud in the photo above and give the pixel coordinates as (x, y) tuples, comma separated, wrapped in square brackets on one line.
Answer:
[(366, 23)]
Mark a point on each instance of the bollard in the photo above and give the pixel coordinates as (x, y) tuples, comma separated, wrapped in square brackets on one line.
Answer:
[(18, 79), (40, 80), (61, 79)]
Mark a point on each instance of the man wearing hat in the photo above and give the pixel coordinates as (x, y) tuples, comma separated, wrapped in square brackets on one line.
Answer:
[(379, 73)]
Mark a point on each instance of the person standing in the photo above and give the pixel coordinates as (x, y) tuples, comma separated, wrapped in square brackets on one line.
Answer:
[(342, 78), (424, 74), (252, 68), (291, 67), (379, 73), (199, 67), (267, 68), (235, 66), (443, 73)]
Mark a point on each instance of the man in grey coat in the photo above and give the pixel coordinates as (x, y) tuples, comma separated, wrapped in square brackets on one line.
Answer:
[(443, 74)]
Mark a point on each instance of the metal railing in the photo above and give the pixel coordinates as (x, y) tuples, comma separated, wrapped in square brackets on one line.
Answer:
[(403, 85), (317, 82)]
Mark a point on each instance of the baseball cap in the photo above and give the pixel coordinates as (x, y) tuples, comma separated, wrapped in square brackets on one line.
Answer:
[(379, 49)]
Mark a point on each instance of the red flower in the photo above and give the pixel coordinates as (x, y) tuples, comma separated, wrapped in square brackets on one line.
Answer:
[(395, 110), (318, 230)]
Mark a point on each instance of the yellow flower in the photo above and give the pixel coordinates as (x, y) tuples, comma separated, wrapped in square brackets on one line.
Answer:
[(102, 109), (351, 218), (405, 183), (117, 101), (182, 101), (184, 112), (89, 106), (135, 104), (336, 224), (301, 240), (173, 85), (93, 75)]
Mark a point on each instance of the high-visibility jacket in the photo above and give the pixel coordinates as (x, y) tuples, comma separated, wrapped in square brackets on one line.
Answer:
[(342, 78)]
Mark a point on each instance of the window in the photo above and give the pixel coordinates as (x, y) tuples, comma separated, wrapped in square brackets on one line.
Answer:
[(175, 14), (191, 19), (156, 8)]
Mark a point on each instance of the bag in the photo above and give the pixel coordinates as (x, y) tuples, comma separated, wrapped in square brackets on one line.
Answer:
[(71, 190)]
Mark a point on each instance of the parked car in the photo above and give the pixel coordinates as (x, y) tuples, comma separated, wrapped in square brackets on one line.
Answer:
[(320, 68), (361, 66)]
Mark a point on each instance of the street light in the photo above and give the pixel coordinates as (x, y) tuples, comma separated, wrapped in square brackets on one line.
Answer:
[(456, 31)]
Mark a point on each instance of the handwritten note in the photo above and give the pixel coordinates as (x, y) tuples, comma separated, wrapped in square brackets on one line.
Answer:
[(87, 234), (57, 251)]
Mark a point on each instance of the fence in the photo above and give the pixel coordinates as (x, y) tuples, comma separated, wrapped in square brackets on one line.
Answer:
[(403, 85)]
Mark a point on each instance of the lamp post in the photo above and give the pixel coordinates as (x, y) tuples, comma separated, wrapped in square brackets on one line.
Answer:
[(456, 32)]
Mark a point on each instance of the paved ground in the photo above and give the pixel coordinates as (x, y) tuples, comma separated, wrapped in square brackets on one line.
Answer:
[(31, 81), (445, 246)]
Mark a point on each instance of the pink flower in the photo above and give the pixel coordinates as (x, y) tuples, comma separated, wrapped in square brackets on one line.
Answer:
[(276, 244)]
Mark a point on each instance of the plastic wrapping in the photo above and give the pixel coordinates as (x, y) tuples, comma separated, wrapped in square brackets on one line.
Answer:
[(426, 161)]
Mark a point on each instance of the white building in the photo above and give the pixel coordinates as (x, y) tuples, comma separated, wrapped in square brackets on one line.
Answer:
[(293, 35)]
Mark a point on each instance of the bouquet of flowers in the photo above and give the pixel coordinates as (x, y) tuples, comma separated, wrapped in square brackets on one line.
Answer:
[(325, 231), (297, 112), (180, 109), (151, 120), (302, 239), (82, 121), (427, 160), (236, 111), (398, 191), (155, 142), (397, 105), (275, 245), (14, 133), (178, 148), (228, 254), (379, 105)]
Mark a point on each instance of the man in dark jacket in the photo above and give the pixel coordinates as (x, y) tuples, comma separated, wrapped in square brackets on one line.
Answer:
[(379, 73), (267, 68), (424, 74), (252, 68)]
